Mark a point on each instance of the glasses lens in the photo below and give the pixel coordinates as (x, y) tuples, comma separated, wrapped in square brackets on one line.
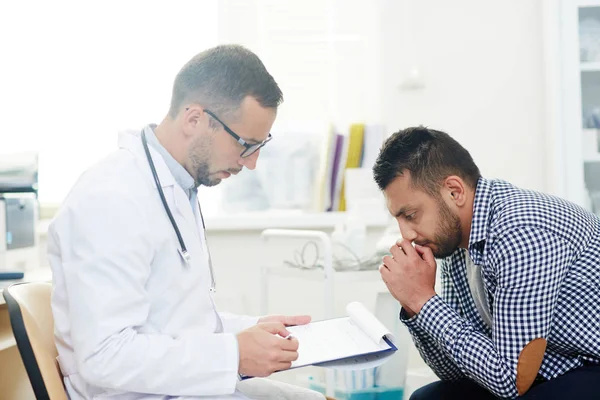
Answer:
[(251, 150)]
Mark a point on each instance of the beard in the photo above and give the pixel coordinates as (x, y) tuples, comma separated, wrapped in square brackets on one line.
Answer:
[(449, 234), (200, 169), (199, 158), (203, 175)]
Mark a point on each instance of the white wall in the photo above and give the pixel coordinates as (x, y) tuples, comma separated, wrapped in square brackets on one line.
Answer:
[(323, 54), (481, 63), (483, 74)]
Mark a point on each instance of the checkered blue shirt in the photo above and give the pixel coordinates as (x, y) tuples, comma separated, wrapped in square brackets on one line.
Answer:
[(540, 261)]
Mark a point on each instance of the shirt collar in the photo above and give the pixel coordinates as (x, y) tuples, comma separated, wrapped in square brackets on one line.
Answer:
[(481, 209), (182, 177)]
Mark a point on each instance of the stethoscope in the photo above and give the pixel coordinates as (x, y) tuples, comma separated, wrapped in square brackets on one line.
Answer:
[(182, 248)]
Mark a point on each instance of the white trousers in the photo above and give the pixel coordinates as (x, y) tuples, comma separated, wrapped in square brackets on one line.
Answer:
[(268, 389)]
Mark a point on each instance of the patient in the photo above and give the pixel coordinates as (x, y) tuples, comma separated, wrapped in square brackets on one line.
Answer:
[(519, 310)]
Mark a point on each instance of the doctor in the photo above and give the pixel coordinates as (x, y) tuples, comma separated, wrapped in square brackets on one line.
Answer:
[(133, 279)]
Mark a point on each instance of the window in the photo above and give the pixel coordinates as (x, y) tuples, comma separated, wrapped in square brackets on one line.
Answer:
[(75, 73)]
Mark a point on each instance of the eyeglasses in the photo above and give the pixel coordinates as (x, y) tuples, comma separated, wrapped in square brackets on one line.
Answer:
[(249, 149)]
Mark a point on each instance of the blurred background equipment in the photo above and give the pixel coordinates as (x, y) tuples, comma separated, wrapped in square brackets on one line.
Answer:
[(18, 212)]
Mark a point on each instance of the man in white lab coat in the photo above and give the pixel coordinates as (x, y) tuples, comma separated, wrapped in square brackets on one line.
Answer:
[(133, 281)]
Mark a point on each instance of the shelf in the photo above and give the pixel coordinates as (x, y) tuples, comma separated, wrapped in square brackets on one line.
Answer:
[(318, 274), (590, 66), (286, 219), (278, 219)]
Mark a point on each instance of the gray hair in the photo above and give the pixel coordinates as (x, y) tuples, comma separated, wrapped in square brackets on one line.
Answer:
[(220, 78)]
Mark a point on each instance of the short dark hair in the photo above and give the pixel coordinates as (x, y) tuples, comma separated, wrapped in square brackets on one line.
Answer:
[(430, 156), (220, 78)]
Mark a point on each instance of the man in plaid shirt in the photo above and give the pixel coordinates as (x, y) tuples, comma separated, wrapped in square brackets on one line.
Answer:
[(519, 312)]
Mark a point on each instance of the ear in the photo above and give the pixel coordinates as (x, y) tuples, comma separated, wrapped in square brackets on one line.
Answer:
[(455, 190), (192, 118)]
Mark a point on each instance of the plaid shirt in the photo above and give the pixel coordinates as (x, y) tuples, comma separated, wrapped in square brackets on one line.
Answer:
[(540, 261)]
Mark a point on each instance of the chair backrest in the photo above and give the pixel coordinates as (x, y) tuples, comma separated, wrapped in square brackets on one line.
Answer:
[(33, 327)]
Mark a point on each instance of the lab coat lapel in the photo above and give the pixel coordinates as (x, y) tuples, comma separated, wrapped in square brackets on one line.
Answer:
[(184, 208), (174, 194), (182, 205), (200, 229), (132, 142), (190, 227)]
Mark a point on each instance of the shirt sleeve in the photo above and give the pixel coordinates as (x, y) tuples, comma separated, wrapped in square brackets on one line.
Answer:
[(530, 265)]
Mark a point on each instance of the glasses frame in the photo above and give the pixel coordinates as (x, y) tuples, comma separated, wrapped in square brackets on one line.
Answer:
[(249, 149)]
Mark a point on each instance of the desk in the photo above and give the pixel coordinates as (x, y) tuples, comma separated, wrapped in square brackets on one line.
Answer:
[(14, 383), (36, 275)]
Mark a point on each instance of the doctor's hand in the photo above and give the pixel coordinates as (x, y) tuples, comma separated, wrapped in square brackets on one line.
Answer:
[(263, 349), (409, 274), (286, 319)]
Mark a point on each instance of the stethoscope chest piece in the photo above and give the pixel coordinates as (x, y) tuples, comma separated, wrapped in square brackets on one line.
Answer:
[(185, 256)]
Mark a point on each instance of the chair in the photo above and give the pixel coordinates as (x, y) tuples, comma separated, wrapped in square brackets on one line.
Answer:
[(33, 327)]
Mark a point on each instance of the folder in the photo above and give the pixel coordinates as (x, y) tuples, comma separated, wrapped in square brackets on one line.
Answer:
[(323, 179), (353, 158), (357, 341), (374, 136), (337, 173)]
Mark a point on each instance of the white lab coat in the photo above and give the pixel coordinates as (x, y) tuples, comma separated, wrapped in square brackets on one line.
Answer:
[(132, 321)]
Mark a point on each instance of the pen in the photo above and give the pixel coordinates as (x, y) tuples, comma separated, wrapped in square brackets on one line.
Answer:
[(289, 337)]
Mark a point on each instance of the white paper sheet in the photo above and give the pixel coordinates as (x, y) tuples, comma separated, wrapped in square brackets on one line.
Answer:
[(357, 336)]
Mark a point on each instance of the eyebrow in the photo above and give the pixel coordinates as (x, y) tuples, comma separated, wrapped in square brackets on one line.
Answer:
[(402, 211)]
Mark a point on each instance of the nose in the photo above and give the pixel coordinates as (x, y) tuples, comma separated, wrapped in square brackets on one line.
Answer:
[(250, 161), (406, 231)]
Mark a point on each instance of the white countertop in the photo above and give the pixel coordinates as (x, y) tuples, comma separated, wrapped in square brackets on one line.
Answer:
[(280, 219)]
